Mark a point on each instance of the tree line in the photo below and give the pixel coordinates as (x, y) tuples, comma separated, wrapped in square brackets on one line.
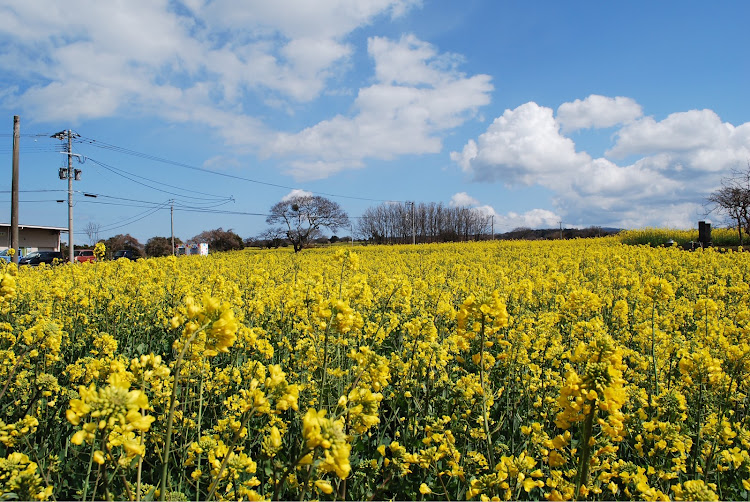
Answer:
[(395, 223), (299, 221), (217, 240)]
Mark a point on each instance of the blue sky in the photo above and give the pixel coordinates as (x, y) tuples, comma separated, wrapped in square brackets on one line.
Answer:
[(587, 113)]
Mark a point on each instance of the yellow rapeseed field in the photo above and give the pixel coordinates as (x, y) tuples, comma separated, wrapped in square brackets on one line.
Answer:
[(517, 370)]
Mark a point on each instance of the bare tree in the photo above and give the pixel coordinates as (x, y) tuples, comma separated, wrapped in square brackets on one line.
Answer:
[(92, 231), (391, 223), (733, 199), (302, 216), (271, 237)]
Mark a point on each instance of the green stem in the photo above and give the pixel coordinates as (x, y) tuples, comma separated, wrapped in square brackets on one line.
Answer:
[(653, 349), (282, 480), (103, 467), (304, 485), (699, 431), (140, 458), (325, 353), (88, 471), (215, 483), (200, 420), (485, 415), (170, 418), (583, 467)]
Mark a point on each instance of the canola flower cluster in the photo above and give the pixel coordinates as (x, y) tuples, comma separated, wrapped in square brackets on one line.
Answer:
[(586, 370)]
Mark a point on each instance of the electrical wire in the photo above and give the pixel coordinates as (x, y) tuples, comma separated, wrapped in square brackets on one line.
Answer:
[(133, 219), (35, 149), (119, 172), (34, 191), (126, 151), (175, 202), (162, 205)]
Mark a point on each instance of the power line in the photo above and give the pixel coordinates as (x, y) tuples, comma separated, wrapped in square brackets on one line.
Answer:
[(32, 147), (30, 150), (34, 191), (126, 151), (161, 205), (119, 172), (210, 204), (132, 219), (28, 135)]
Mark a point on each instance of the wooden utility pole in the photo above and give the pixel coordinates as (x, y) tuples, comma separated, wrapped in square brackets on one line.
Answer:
[(70, 175), (71, 252), (171, 223), (14, 188)]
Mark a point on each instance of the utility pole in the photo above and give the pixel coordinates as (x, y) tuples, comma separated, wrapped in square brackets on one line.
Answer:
[(171, 222), (561, 231), (69, 175), (493, 227), (14, 189)]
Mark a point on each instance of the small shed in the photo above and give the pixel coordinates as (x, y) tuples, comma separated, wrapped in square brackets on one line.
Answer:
[(193, 249), (32, 238)]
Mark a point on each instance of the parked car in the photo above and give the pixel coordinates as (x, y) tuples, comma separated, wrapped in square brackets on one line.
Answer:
[(126, 253), (37, 257), (5, 256), (82, 255)]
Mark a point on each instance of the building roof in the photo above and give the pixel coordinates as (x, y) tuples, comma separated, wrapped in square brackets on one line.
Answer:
[(40, 227)]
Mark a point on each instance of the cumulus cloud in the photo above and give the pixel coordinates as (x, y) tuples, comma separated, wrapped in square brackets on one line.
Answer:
[(534, 218), (225, 63), (696, 139), (296, 193), (677, 161), (417, 95), (463, 199), (523, 146), (279, 51), (597, 112), (300, 18)]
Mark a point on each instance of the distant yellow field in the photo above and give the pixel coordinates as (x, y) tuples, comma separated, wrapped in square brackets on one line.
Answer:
[(660, 236)]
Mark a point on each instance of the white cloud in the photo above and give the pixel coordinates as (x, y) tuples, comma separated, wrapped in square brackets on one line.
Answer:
[(597, 112), (681, 159), (410, 61), (535, 218), (394, 116), (60, 101), (463, 199), (296, 193), (220, 62), (696, 139), (282, 50), (300, 18), (522, 146)]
